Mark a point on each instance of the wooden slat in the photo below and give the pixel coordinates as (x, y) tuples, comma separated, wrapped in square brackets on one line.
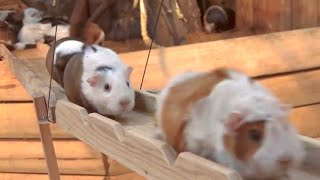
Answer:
[(10, 88), (272, 16), (19, 121), (74, 157), (304, 13), (307, 120), (245, 14), (296, 89), (115, 139), (255, 55), (14, 176), (137, 150), (318, 13)]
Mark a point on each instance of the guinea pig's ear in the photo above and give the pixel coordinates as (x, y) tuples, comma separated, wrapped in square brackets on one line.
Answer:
[(129, 71), (94, 80), (234, 121)]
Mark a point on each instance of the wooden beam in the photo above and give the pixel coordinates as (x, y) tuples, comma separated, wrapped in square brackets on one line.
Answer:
[(306, 120), (264, 16), (244, 14), (304, 13), (74, 157), (13, 176), (255, 55), (297, 89), (134, 137), (135, 148), (46, 138), (18, 120), (10, 88)]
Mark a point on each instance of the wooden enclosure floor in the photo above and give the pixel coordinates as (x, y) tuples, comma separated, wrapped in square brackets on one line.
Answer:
[(21, 155)]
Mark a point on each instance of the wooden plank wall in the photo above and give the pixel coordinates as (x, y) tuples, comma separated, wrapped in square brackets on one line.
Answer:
[(263, 16), (21, 150)]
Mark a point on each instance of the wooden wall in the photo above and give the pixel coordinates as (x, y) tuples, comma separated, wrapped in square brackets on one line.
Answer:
[(21, 150), (281, 15)]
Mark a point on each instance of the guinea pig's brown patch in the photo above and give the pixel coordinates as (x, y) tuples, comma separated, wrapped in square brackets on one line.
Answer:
[(177, 103), (246, 141)]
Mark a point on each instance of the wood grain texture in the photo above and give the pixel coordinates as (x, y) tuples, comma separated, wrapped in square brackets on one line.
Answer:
[(152, 158), (10, 88), (306, 120), (74, 157), (14, 176), (136, 148), (272, 16), (297, 89), (46, 138), (31, 79), (304, 13), (244, 14), (18, 120), (255, 55)]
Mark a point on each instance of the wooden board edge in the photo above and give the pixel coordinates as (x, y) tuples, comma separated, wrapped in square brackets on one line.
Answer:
[(83, 125)]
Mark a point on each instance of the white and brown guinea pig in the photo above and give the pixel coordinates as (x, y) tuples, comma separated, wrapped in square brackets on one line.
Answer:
[(98, 80), (81, 34), (225, 116)]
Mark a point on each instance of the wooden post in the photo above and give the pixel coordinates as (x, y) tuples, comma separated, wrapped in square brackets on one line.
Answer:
[(46, 139)]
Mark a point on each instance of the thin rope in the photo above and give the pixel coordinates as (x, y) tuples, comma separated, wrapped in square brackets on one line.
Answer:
[(54, 49), (153, 35)]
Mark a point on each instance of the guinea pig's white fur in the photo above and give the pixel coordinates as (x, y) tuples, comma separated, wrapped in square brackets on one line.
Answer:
[(31, 16), (107, 102), (62, 31), (31, 34), (68, 47), (207, 118)]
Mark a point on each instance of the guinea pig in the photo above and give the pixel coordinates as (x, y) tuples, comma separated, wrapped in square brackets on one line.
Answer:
[(227, 117), (81, 35), (218, 19), (32, 15), (59, 55), (98, 80)]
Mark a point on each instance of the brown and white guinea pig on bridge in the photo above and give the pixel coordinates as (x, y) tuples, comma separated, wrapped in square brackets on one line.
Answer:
[(225, 116), (93, 77)]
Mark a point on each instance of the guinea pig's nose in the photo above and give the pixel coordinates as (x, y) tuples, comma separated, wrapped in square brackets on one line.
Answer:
[(124, 103), (284, 161)]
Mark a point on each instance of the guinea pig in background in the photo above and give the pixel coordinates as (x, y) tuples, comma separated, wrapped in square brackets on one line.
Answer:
[(218, 19), (93, 77), (81, 35), (225, 116), (99, 81)]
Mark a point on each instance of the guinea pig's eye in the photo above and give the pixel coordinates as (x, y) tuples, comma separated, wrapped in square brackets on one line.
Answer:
[(255, 135), (107, 87), (128, 84)]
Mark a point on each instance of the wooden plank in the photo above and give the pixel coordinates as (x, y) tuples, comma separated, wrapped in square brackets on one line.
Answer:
[(149, 157), (306, 120), (272, 16), (245, 14), (318, 13), (255, 55), (304, 13), (10, 88), (46, 138), (14, 176), (74, 157), (19, 121), (297, 89), (140, 152)]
